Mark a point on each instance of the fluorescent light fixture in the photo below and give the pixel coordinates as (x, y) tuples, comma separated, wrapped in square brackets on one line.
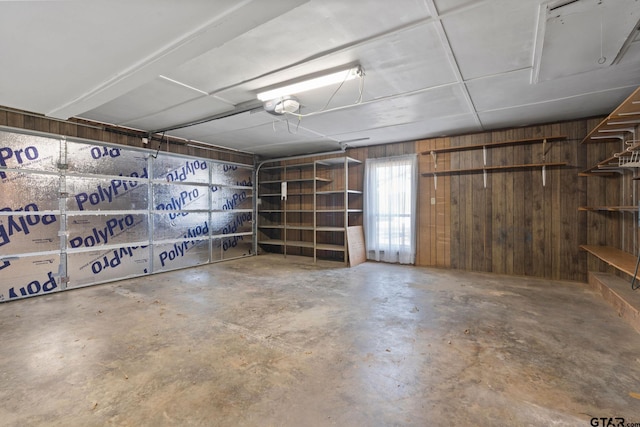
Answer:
[(314, 83)]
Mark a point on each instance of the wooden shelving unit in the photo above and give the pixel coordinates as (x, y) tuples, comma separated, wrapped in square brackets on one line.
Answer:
[(485, 169), (316, 211), (332, 206), (619, 123)]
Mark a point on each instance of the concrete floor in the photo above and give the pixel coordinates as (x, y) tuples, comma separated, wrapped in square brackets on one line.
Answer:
[(269, 341)]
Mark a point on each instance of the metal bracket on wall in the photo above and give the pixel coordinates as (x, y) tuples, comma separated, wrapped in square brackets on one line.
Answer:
[(484, 163), (434, 155)]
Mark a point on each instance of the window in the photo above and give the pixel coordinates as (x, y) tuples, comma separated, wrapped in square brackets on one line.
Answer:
[(389, 209)]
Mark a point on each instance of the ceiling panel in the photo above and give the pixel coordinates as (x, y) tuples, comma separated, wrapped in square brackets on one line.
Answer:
[(153, 97), (191, 110), (303, 36), (494, 37), (246, 120), (432, 103), (407, 60), (589, 105), (514, 89), (296, 148), (429, 128)]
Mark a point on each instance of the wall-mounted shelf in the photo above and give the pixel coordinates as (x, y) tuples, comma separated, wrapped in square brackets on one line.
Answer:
[(607, 167), (489, 168), (495, 144), (621, 121), (608, 208), (616, 258), (493, 168)]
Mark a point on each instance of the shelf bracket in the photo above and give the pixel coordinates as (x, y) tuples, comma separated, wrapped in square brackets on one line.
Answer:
[(434, 155), (544, 176), (546, 146), (484, 163)]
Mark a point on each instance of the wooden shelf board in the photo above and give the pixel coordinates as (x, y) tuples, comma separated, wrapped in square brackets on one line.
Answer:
[(608, 127), (494, 144), (338, 192), (606, 166), (288, 227), (601, 172), (328, 247), (337, 161), (616, 258), (275, 242), (493, 168), (329, 228), (299, 166), (609, 208), (296, 180), (299, 244)]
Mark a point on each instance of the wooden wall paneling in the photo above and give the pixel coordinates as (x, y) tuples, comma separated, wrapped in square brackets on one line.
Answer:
[(433, 224), (425, 188), (15, 119), (446, 215), (539, 218), (433, 219), (376, 151), (510, 194), (3, 118), (570, 265), (466, 217), (498, 202), (526, 210), (476, 243), (550, 214), (456, 204), (443, 199), (520, 231), (459, 210), (579, 130)]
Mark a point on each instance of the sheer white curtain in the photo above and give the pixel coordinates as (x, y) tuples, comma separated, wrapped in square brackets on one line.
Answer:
[(390, 192)]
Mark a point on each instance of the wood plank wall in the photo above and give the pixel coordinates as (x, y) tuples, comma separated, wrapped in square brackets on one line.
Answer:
[(514, 225), (435, 205), (76, 128)]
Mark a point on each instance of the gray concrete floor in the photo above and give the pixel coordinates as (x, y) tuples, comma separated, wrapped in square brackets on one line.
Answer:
[(269, 341)]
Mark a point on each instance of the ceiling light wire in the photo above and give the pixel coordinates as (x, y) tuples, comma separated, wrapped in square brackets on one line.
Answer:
[(358, 101)]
